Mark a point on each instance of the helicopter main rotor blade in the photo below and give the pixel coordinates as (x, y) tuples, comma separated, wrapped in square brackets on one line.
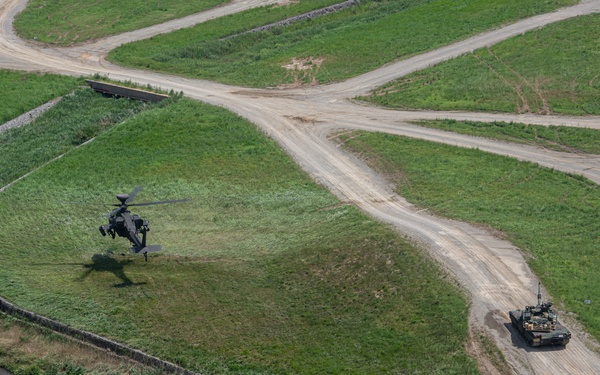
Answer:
[(161, 202), (132, 195), (89, 204)]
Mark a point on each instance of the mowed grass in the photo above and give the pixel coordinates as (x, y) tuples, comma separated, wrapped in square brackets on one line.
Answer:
[(22, 92), (325, 49), (552, 216), (552, 70), (66, 22), (558, 138), (77, 118), (262, 272)]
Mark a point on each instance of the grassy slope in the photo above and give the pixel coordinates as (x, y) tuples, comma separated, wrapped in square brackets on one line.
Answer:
[(349, 42), (264, 272), (552, 216), (22, 92), (549, 70), (76, 119), (72, 21)]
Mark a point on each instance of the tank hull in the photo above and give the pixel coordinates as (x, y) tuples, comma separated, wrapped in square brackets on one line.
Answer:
[(559, 336)]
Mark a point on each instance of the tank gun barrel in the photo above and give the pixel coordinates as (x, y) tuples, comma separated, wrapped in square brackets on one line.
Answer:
[(539, 294)]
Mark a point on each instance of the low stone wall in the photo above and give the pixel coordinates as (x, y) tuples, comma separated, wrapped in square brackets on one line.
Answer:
[(312, 14), (99, 341), (28, 117)]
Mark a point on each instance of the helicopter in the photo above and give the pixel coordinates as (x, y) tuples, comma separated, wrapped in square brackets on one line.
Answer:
[(122, 223)]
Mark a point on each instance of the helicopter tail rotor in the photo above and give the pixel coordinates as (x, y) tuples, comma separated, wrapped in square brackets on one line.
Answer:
[(145, 250), (152, 249)]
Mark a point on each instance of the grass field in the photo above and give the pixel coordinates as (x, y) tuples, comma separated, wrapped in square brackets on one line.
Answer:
[(66, 22), (263, 272), (332, 48), (546, 71), (22, 92), (552, 216)]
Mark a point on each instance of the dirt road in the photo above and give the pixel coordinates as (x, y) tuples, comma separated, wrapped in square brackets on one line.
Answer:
[(493, 271)]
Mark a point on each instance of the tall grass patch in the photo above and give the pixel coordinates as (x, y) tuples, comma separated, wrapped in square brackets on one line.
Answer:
[(545, 71), (262, 272), (552, 216), (22, 92), (330, 48), (67, 22), (77, 118)]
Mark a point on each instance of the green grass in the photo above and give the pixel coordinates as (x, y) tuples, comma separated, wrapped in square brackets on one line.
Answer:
[(552, 216), (338, 46), (77, 118), (263, 272), (66, 22), (549, 70), (558, 138), (22, 92)]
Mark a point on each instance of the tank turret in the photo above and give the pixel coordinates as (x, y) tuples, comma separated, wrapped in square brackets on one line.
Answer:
[(539, 324)]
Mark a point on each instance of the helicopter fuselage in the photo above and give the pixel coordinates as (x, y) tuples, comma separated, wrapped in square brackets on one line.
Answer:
[(123, 223)]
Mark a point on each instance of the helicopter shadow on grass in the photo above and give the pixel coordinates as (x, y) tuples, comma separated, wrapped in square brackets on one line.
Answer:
[(106, 263), (519, 342)]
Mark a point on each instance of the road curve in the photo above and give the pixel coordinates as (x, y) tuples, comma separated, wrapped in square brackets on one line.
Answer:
[(492, 270)]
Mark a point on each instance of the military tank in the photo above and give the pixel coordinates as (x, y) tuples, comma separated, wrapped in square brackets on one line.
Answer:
[(539, 324)]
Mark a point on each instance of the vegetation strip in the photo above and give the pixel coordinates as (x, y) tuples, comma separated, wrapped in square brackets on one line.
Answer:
[(305, 16), (557, 138), (96, 340)]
